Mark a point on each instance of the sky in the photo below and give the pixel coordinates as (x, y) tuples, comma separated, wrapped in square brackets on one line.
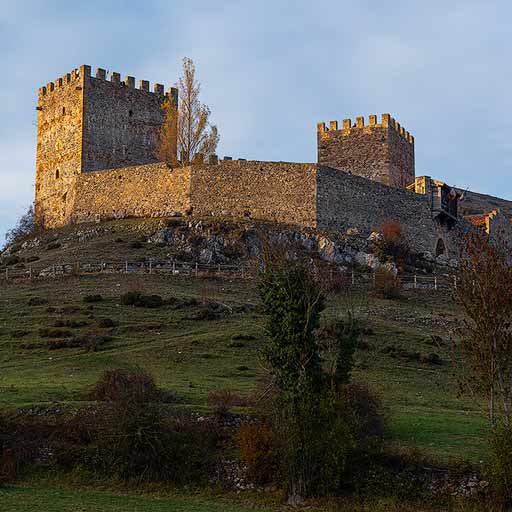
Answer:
[(270, 70)]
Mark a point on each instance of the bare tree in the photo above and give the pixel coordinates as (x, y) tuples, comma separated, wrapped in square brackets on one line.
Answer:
[(485, 343), (24, 227)]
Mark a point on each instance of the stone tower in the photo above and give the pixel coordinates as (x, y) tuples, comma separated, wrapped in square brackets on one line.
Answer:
[(381, 152), (86, 124)]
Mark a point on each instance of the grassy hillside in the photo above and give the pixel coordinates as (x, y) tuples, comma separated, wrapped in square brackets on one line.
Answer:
[(191, 350)]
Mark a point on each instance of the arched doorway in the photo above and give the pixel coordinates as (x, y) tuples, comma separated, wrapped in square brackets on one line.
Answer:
[(440, 247)]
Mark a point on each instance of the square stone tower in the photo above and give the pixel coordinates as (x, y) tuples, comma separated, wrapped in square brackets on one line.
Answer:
[(381, 152), (86, 124)]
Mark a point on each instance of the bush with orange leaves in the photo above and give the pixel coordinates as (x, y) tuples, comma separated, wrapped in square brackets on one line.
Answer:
[(387, 285), (257, 451), (391, 229), (394, 245)]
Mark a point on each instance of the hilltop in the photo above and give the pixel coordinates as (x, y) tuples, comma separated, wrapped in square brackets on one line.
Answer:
[(131, 244)]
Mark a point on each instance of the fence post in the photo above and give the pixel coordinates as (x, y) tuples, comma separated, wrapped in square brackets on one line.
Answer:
[(415, 282), (374, 279), (150, 266), (243, 273), (30, 272), (353, 278), (219, 268), (126, 266), (435, 282), (455, 282), (6, 274), (173, 267), (196, 268)]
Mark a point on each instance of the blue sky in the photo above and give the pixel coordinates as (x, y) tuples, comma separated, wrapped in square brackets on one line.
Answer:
[(271, 69)]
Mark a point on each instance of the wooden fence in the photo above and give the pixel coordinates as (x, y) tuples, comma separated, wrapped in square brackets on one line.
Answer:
[(196, 269)]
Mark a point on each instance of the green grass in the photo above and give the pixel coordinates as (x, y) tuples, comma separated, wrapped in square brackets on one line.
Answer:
[(28, 499), (193, 357)]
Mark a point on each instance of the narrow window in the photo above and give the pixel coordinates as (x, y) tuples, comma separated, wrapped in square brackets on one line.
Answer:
[(63, 111), (130, 113), (57, 174)]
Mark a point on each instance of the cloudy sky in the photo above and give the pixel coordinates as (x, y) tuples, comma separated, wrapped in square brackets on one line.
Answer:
[(271, 69)]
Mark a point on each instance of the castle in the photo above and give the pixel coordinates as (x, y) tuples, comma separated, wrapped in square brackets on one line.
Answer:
[(97, 137)]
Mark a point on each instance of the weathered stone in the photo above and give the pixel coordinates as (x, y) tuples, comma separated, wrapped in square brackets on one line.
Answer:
[(382, 152), (375, 236)]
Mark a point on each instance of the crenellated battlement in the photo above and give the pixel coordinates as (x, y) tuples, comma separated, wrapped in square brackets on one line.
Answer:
[(347, 126), (101, 74)]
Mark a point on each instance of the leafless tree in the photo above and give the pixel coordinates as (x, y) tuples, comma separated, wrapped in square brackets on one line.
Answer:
[(485, 342), (24, 227)]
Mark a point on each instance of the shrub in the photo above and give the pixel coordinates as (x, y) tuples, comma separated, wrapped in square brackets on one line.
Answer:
[(21, 442), (92, 341), (394, 245), (37, 301), (49, 332), (433, 359), (136, 244), (123, 384), (387, 285), (11, 260), (20, 333), (24, 227), (135, 298), (500, 467), (74, 324), (140, 441), (129, 440), (53, 245), (370, 418), (222, 400), (93, 298), (257, 451), (106, 322), (391, 229)]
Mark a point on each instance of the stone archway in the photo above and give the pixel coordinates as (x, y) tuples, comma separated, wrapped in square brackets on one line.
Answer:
[(440, 247)]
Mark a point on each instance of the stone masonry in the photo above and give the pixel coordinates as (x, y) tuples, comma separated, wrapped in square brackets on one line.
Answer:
[(381, 152), (95, 161), (88, 123)]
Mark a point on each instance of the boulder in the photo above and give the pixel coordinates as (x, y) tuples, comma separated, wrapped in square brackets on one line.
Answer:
[(375, 236), (367, 260)]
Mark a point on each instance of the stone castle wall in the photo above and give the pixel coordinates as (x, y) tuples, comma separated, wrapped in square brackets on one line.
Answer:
[(382, 152), (345, 200), (300, 194), (59, 147), (90, 123), (277, 191), (499, 227), (121, 122), (151, 190)]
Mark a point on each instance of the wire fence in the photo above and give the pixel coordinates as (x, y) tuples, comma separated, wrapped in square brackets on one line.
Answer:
[(203, 270)]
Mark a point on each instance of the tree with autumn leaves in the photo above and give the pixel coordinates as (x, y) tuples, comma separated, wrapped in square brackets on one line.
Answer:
[(186, 131)]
